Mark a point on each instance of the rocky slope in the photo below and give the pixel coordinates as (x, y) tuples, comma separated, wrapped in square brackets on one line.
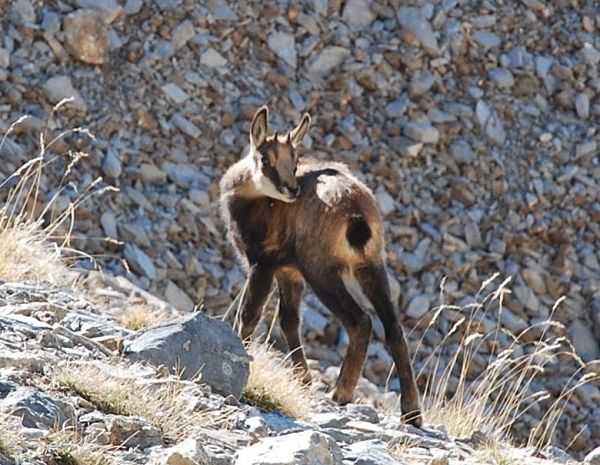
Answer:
[(475, 123), (54, 343)]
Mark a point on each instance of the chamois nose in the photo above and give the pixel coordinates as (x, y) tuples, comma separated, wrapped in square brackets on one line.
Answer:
[(295, 191)]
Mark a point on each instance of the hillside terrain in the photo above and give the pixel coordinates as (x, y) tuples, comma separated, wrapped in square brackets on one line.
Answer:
[(474, 122)]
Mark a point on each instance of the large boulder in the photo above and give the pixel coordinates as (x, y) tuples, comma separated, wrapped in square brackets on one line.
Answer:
[(305, 448), (191, 345)]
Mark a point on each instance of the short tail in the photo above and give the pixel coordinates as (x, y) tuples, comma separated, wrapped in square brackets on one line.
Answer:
[(358, 232)]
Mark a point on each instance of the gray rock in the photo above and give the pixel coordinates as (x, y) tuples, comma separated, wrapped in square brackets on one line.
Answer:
[(284, 46), (385, 201), (461, 151), (133, 431), (490, 124), (327, 59), (543, 65), (221, 10), (110, 9), (212, 59), (178, 298), (357, 14), (4, 58), (486, 39), (330, 420), (519, 57), (418, 306), (195, 344), (421, 83), (182, 34), (174, 92), (139, 261), (86, 36), (590, 54), (108, 221), (185, 175), (406, 147), (133, 7), (22, 12), (585, 148), (582, 105), (111, 166), (583, 339), (33, 407), (502, 77), (362, 412), (188, 452), (397, 107), (527, 297), (411, 19), (305, 448), (593, 458), (186, 126), (58, 88), (422, 132)]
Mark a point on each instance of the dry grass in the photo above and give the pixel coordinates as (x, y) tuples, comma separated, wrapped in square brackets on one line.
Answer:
[(70, 448), (273, 384), (9, 438), (168, 405), (494, 399), (496, 453), (141, 316), (34, 235)]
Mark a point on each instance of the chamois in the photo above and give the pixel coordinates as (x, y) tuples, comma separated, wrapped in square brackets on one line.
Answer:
[(297, 220)]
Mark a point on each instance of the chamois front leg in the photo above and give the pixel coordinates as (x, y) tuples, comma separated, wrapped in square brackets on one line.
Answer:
[(260, 280), (291, 287)]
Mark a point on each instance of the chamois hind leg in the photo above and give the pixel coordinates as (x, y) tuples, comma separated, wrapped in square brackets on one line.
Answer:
[(260, 280), (375, 286), (329, 287), (291, 286)]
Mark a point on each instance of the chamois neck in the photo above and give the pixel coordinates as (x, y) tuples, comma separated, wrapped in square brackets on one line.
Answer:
[(239, 180)]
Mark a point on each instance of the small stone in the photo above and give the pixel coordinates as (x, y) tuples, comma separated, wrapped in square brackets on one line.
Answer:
[(397, 107), (582, 105), (221, 10), (461, 151), (472, 235), (188, 452), (186, 126), (327, 59), (182, 34), (418, 306), (152, 174), (4, 58), (362, 413), (134, 431), (586, 148), (111, 166), (59, 88), (502, 77), (305, 448), (139, 261), (584, 340), (385, 201), (406, 147), (110, 9), (526, 296), (212, 59), (590, 54), (486, 39), (284, 46), (543, 65), (357, 14), (109, 224), (412, 20), (178, 298), (174, 92), (421, 83), (422, 132), (86, 36), (489, 123), (133, 7), (23, 12)]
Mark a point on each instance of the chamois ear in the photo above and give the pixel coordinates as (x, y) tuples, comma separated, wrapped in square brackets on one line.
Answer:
[(297, 134), (259, 127)]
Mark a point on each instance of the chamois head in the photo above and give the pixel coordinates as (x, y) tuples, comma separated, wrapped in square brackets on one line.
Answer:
[(275, 157)]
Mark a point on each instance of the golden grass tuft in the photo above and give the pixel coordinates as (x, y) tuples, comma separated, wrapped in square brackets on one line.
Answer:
[(141, 316), (491, 401), (70, 448), (168, 405), (273, 384)]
